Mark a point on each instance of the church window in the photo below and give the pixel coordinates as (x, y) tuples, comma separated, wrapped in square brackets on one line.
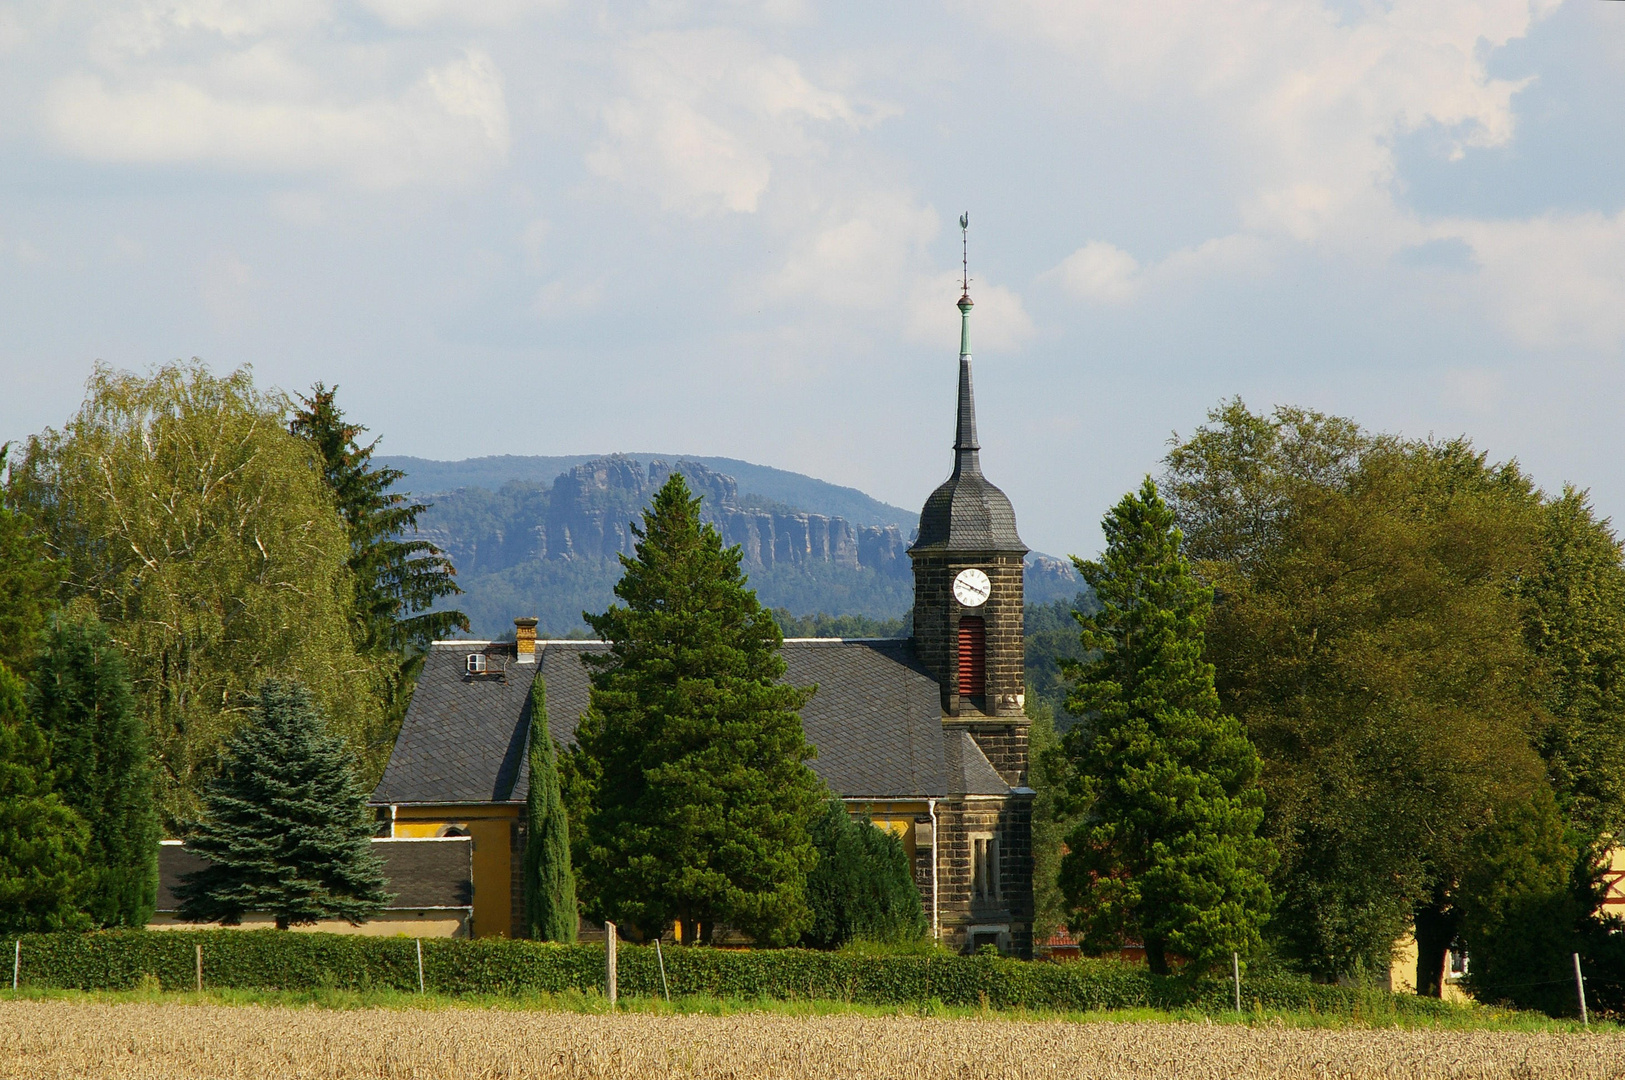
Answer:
[(972, 656), (984, 877)]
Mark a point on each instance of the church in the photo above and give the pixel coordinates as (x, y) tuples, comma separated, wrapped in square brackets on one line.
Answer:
[(926, 736)]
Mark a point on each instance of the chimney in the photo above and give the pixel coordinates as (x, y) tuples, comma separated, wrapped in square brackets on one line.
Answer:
[(524, 632)]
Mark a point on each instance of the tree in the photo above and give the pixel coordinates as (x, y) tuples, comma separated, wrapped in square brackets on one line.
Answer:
[(1371, 639), (42, 841), (26, 583), (1051, 821), (863, 887), (397, 581), (103, 768), (179, 506), (701, 792), (550, 883), (286, 828), (1167, 851), (1526, 905)]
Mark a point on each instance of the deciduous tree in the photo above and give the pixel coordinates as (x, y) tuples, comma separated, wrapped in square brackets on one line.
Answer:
[(178, 505), (27, 585)]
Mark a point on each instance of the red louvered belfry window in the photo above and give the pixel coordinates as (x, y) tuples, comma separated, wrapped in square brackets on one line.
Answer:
[(972, 656)]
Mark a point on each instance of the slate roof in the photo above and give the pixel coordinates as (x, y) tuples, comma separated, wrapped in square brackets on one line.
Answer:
[(462, 740), (437, 873), (966, 512), (876, 720)]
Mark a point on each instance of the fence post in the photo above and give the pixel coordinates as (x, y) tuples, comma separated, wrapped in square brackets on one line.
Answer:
[(609, 960), (200, 969), (662, 959), (16, 965), (1235, 969), (1580, 988), (420, 965)]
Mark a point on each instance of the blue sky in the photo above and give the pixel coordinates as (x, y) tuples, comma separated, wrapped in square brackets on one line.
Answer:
[(729, 228)]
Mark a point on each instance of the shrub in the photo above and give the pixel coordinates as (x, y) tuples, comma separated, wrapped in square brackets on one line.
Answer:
[(254, 959)]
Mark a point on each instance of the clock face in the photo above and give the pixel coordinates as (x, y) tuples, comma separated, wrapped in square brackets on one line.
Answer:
[(972, 588)]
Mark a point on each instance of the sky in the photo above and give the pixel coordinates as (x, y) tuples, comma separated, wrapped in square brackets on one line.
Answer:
[(731, 228)]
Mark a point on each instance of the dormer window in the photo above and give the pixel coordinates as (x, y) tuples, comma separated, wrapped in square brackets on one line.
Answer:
[(476, 663)]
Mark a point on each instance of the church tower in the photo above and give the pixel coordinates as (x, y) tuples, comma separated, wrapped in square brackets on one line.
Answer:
[(968, 593)]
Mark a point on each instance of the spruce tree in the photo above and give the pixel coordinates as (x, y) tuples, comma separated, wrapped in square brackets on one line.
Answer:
[(102, 759), (1166, 852), (863, 887), (550, 883), (701, 795), (285, 827), (42, 840)]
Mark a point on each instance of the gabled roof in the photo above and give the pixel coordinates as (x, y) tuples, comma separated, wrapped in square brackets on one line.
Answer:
[(876, 720)]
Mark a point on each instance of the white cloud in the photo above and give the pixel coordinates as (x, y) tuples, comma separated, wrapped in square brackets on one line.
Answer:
[(858, 254), (1101, 272), (1303, 102), (1555, 280), (700, 118), (451, 125)]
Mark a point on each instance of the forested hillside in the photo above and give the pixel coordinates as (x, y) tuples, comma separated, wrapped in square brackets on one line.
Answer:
[(551, 550)]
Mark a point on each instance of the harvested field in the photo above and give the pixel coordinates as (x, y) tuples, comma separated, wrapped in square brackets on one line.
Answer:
[(62, 1040)]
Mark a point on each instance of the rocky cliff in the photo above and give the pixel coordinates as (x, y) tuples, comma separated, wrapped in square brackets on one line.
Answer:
[(589, 510)]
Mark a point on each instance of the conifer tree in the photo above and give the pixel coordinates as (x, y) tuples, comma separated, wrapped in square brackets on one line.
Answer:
[(285, 828), (26, 582), (397, 580), (102, 758), (701, 794), (42, 841), (1166, 852), (862, 888), (550, 882)]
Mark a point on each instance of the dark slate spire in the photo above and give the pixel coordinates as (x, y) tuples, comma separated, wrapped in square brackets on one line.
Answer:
[(967, 513)]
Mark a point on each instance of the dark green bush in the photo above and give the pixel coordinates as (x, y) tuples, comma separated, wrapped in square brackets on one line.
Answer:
[(273, 960)]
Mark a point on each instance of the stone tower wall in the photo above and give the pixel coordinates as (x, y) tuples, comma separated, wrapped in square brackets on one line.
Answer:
[(936, 628)]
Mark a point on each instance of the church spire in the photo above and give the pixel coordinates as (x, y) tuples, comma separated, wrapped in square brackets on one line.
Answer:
[(967, 460)]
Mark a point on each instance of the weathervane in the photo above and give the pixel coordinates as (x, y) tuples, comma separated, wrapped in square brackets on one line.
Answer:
[(964, 254)]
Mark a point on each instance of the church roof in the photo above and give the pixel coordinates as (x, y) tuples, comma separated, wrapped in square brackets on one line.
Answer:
[(967, 513), (876, 720)]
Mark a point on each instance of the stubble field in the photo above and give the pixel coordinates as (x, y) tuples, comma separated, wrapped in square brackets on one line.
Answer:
[(60, 1040)]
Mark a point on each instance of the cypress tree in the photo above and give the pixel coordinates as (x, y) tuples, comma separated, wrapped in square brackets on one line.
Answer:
[(550, 883), (26, 582), (285, 828), (862, 888), (701, 795), (102, 760), (42, 840), (1166, 852)]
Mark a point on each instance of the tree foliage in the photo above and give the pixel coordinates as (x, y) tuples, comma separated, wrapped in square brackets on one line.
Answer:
[(285, 826), (1416, 640), (1166, 853), (701, 795), (180, 507), (27, 585), (397, 580), (550, 881), (42, 840), (102, 762), (862, 888)]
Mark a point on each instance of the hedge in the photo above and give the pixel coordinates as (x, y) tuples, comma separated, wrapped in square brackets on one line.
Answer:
[(277, 960)]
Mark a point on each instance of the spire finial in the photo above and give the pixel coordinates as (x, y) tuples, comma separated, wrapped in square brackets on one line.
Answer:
[(964, 255)]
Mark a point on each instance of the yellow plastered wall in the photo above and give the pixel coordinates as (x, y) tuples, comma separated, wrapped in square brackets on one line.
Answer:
[(895, 818), (491, 826)]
